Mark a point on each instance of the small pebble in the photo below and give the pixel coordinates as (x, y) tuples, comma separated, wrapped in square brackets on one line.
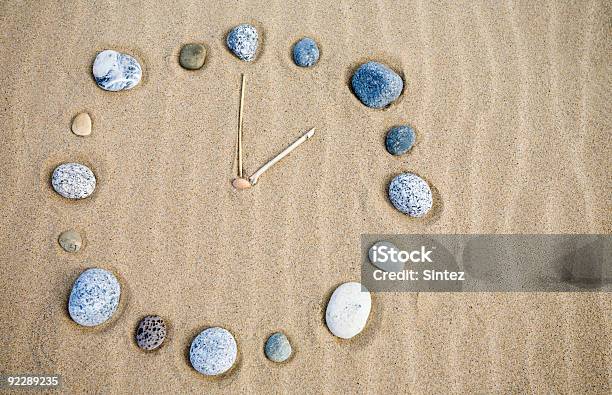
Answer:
[(192, 56), (278, 348), (243, 41), (81, 124), (70, 240), (73, 180), (410, 194), (376, 85), (400, 140), (94, 297), (151, 332), (380, 257), (213, 351), (115, 71), (348, 310), (306, 52)]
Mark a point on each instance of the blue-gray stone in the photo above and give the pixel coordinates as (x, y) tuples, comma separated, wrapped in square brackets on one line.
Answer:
[(94, 297), (306, 52), (115, 71), (376, 85), (213, 351), (410, 194), (243, 41), (400, 139), (278, 348)]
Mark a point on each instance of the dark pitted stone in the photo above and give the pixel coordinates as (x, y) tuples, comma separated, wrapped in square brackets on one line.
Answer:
[(151, 332), (278, 348), (192, 56), (400, 140), (376, 85), (306, 52)]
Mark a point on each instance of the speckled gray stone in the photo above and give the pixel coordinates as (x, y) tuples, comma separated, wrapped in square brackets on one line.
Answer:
[(410, 194), (213, 351), (306, 52), (243, 41), (192, 56), (400, 140), (70, 240), (376, 85), (151, 332), (116, 71), (381, 258), (94, 297), (73, 180), (278, 348)]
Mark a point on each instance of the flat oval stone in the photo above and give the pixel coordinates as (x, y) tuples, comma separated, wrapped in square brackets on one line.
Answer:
[(380, 257), (376, 85), (94, 297), (410, 194), (306, 52), (192, 56), (70, 240), (116, 71), (213, 351), (73, 180), (278, 348), (243, 41), (348, 310), (400, 139), (151, 332), (81, 124)]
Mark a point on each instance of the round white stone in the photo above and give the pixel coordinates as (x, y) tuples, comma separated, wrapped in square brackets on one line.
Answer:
[(410, 194), (381, 257), (73, 180), (94, 297), (213, 351), (348, 310), (115, 71)]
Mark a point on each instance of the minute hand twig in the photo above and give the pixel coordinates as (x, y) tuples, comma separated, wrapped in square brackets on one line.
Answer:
[(253, 179)]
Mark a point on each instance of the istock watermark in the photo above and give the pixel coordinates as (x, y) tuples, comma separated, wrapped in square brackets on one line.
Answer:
[(487, 263)]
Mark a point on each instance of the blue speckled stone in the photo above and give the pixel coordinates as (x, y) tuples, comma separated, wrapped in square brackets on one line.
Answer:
[(115, 71), (243, 41), (94, 297), (376, 85), (213, 351), (400, 139), (410, 194), (278, 348), (306, 52)]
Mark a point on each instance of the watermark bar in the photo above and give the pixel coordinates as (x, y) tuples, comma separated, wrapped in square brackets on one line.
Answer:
[(486, 263), (30, 381)]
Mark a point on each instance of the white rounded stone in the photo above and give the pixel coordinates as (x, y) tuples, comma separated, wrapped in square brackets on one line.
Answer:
[(94, 297), (348, 310), (73, 180), (116, 71), (213, 351)]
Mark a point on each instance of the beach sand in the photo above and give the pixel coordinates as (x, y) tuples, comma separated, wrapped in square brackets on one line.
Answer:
[(511, 103)]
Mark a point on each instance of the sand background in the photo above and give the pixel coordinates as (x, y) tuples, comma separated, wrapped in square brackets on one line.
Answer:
[(511, 102)]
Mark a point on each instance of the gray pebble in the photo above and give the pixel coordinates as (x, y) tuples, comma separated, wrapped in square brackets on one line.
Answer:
[(213, 351), (376, 85), (243, 41), (73, 180), (151, 332), (278, 348), (70, 240), (192, 56), (380, 257), (306, 52), (410, 194), (400, 140), (94, 297)]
